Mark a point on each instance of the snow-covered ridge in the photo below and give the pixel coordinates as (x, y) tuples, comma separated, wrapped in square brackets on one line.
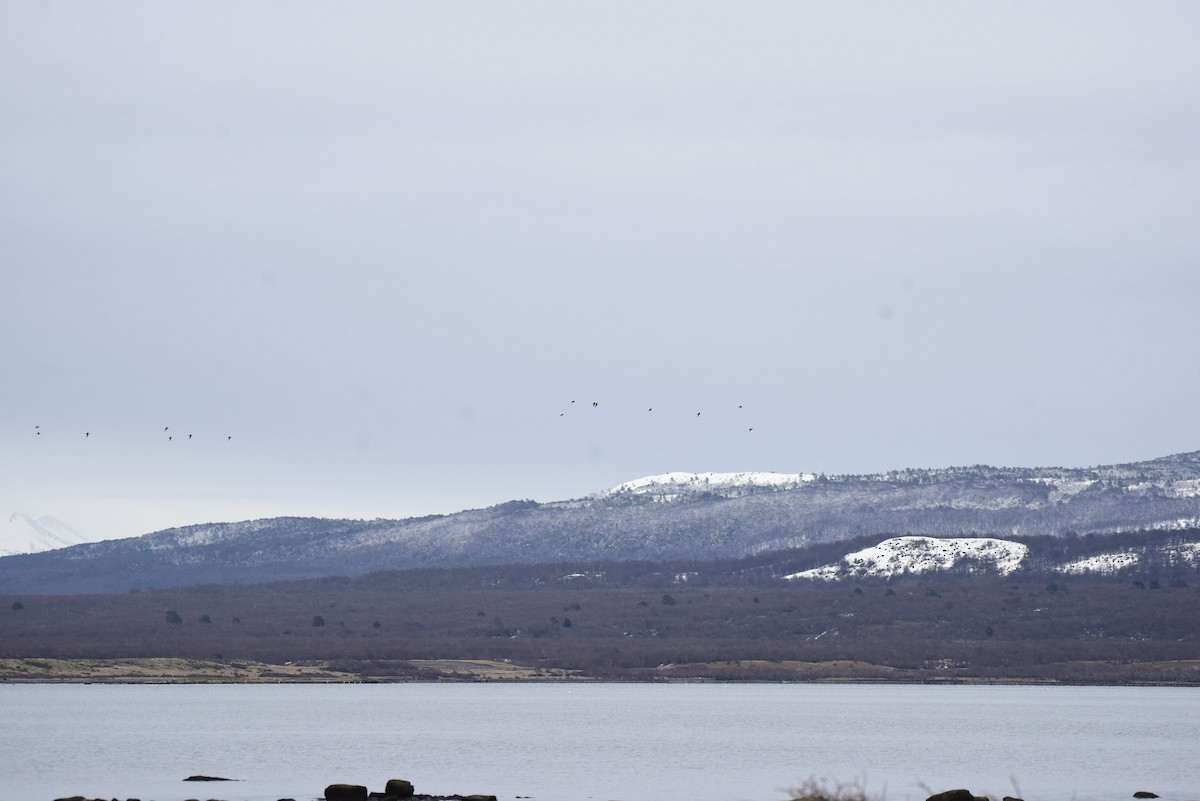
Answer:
[(1175, 476), (1116, 561), (674, 484), (1103, 563), (910, 555), (207, 534)]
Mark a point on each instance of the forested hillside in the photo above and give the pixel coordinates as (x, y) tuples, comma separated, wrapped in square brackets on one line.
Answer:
[(734, 618), (660, 518)]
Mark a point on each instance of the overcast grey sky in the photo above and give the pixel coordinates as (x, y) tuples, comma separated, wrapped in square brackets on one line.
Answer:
[(367, 254)]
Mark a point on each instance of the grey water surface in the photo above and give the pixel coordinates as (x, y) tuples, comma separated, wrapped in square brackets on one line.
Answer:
[(577, 742)]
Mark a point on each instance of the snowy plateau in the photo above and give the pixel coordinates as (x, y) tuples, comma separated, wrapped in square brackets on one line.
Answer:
[(674, 486), (914, 555)]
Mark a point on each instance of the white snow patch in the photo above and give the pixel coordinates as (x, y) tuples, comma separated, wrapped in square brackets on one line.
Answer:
[(1186, 488), (1102, 563), (204, 534), (1063, 488), (1173, 525), (573, 576), (994, 504), (901, 555), (670, 486)]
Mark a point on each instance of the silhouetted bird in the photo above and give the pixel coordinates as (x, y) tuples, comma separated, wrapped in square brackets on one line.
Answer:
[(87, 434), (189, 436), (170, 438), (594, 404)]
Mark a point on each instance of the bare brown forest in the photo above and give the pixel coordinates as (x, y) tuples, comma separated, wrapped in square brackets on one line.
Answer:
[(652, 624)]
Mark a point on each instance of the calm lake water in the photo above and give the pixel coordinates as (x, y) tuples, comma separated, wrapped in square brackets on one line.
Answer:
[(577, 742)]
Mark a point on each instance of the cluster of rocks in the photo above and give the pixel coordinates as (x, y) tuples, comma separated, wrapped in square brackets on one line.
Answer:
[(964, 795), (394, 790), (967, 795)]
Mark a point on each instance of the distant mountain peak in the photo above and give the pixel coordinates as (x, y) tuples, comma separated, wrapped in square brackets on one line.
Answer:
[(23, 534)]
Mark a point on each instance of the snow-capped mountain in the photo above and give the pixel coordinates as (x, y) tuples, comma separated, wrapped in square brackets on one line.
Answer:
[(23, 534), (915, 555), (676, 486), (677, 516)]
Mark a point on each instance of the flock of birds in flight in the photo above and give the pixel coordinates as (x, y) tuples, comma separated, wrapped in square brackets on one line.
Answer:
[(166, 429), (171, 437), (596, 404)]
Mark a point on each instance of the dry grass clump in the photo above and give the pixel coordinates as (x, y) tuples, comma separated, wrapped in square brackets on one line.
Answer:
[(822, 789)]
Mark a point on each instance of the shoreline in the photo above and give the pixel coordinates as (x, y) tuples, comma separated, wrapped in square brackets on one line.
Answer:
[(173, 670)]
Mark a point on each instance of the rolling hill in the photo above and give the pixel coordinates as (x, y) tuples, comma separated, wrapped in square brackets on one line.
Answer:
[(672, 516)]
